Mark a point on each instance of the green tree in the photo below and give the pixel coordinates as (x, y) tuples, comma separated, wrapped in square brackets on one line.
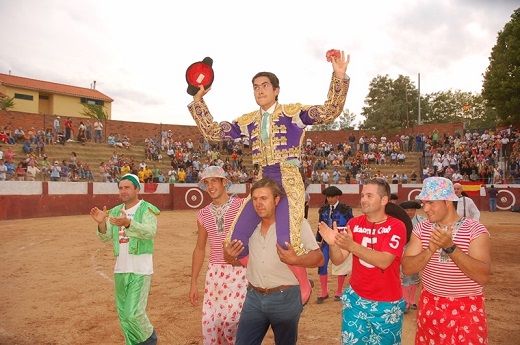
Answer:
[(486, 116), (94, 111), (449, 106), (390, 103), (6, 102), (501, 87)]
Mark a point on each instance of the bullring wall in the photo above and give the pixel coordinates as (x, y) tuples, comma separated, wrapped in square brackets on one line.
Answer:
[(26, 199)]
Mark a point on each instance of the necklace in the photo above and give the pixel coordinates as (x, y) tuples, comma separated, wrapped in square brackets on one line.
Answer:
[(372, 231), (380, 221), (219, 211)]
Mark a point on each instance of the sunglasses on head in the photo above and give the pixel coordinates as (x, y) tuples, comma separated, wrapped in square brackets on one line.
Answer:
[(383, 183)]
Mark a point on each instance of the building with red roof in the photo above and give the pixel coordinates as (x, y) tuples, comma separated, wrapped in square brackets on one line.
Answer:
[(44, 97)]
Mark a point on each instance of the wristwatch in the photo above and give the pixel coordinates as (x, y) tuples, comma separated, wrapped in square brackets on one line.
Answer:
[(450, 250)]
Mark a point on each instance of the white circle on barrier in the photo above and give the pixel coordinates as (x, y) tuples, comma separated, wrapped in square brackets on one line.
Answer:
[(193, 198), (412, 191), (504, 199)]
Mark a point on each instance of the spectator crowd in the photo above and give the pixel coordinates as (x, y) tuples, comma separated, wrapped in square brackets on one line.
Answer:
[(488, 157)]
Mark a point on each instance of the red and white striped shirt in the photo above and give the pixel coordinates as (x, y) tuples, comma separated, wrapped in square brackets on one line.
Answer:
[(445, 279), (209, 222)]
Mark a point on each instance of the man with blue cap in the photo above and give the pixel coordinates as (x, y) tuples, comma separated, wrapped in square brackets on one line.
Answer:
[(131, 226), (453, 255)]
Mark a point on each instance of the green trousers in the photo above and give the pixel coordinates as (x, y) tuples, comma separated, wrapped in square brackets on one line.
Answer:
[(131, 291)]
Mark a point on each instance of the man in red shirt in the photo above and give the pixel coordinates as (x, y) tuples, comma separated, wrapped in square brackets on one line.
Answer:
[(373, 304)]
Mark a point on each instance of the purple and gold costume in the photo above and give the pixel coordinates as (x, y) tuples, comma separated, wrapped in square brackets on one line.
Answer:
[(278, 156)]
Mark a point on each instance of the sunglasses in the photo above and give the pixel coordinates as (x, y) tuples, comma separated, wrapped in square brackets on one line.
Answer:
[(381, 182)]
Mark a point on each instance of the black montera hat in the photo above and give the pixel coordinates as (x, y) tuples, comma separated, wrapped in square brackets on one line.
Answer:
[(199, 73), (332, 191), (410, 204)]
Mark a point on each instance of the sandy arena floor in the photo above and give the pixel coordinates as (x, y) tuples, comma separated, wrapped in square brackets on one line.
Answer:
[(56, 285)]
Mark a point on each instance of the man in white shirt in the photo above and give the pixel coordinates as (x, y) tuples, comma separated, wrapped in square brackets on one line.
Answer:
[(456, 177), (98, 128), (170, 152), (56, 125), (401, 158), (314, 176), (172, 175), (131, 228), (504, 141), (32, 170), (465, 206), (325, 177), (245, 142), (3, 170), (189, 145), (361, 144)]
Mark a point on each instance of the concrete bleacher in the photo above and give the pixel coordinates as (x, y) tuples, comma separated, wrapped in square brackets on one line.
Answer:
[(95, 153)]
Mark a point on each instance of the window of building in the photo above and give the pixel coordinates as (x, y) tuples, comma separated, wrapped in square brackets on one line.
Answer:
[(92, 101), (22, 96), (44, 97)]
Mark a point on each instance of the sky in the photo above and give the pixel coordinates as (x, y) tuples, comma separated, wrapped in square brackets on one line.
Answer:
[(138, 51)]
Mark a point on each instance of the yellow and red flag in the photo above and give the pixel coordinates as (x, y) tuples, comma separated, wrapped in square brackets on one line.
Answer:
[(470, 187)]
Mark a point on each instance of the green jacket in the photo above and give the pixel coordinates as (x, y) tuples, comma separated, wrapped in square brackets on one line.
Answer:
[(141, 231)]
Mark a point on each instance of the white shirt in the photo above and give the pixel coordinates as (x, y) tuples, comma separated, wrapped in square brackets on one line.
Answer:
[(466, 203), (129, 263), (32, 171), (325, 176), (3, 171), (456, 177), (264, 268)]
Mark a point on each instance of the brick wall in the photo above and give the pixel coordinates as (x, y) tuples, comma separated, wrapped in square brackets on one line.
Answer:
[(136, 131)]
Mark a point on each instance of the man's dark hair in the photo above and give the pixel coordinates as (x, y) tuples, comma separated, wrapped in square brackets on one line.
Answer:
[(272, 78), (268, 183)]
